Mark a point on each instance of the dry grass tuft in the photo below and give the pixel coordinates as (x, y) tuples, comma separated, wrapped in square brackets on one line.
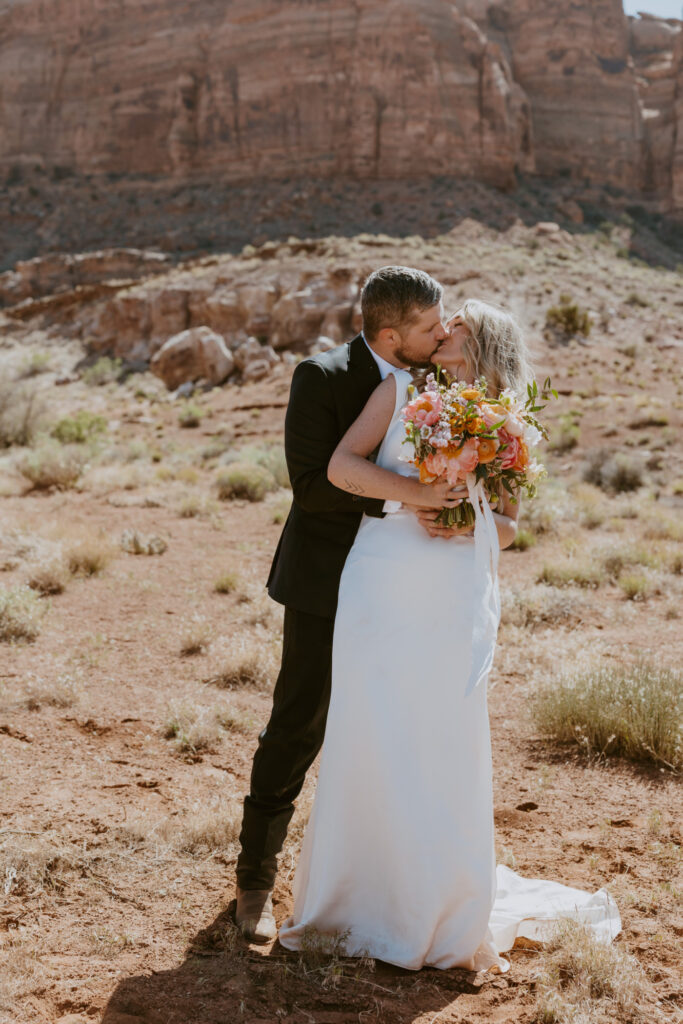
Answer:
[(49, 578), (52, 465), (634, 712), (63, 692), (196, 637), (227, 583), (21, 611), (538, 605), (248, 664), (615, 560), (136, 543), (271, 457), (586, 981), (613, 473), (244, 480), (32, 862), (21, 973), (577, 574), (636, 586), (21, 412), (662, 527), (202, 831), (88, 555), (233, 720), (193, 729)]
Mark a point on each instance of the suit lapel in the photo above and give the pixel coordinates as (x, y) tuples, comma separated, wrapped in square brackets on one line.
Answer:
[(362, 366)]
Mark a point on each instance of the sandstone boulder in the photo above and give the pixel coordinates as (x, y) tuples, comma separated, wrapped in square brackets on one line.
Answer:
[(195, 353), (255, 360)]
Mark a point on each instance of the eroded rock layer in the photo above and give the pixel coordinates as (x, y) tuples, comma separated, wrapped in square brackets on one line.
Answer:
[(238, 90)]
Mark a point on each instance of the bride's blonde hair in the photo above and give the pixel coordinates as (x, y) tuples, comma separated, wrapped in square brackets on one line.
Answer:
[(495, 349)]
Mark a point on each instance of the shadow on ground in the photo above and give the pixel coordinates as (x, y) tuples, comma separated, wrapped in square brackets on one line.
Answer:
[(222, 979)]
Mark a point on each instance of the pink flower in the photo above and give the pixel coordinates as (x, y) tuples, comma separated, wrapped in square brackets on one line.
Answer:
[(511, 452), (424, 410), (436, 464), (462, 461)]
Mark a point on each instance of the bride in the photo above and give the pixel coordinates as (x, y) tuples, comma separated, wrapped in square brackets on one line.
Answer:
[(399, 855)]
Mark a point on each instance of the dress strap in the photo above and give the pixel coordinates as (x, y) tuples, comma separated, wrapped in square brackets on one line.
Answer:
[(403, 379)]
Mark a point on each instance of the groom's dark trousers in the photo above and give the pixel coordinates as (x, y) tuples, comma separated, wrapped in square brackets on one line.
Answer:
[(327, 394)]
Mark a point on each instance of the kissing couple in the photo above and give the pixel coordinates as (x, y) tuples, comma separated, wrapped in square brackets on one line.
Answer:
[(390, 629)]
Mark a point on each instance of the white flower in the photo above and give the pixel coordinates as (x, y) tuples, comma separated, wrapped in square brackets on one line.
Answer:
[(534, 471), (425, 431), (532, 435)]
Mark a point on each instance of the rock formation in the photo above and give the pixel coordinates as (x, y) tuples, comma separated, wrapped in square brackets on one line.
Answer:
[(382, 88), (261, 89), (196, 354)]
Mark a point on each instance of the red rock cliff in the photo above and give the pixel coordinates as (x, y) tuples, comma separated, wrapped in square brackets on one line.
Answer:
[(244, 89)]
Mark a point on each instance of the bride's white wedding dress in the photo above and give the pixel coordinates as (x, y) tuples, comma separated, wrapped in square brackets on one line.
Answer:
[(399, 849)]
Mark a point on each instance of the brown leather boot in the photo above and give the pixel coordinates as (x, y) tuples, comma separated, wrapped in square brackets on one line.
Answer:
[(254, 914)]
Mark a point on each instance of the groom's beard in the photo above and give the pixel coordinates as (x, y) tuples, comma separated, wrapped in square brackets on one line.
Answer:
[(409, 359)]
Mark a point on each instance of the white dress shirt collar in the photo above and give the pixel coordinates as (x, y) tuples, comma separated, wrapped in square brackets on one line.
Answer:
[(384, 367)]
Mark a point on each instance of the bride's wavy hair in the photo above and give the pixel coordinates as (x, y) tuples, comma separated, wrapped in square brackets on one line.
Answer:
[(495, 349)]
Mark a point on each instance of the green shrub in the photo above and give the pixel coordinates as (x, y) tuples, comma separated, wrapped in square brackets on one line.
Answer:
[(190, 416), (631, 711), (244, 480), (524, 539), (270, 456), (104, 371), (569, 318), (52, 465), (79, 428), (636, 586)]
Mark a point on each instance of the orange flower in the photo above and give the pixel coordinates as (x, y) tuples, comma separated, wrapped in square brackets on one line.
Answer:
[(488, 447), (475, 424), (471, 394), (522, 460), (425, 476)]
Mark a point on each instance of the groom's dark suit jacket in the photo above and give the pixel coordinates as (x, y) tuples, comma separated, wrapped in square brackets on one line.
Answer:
[(327, 394)]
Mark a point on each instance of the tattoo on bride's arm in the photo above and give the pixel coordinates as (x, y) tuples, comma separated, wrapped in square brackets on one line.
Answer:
[(353, 488)]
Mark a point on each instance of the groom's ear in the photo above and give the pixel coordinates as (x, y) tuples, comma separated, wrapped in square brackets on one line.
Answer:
[(387, 336)]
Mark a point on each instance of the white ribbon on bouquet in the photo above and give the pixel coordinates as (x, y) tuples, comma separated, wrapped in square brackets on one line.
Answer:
[(486, 599)]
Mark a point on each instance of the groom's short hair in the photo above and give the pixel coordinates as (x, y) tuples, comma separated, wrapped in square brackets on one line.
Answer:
[(395, 296)]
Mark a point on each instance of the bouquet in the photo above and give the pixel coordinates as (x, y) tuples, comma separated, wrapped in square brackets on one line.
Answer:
[(454, 429)]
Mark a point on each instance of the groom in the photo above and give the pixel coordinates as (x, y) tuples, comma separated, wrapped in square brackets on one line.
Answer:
[(402, 326)]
